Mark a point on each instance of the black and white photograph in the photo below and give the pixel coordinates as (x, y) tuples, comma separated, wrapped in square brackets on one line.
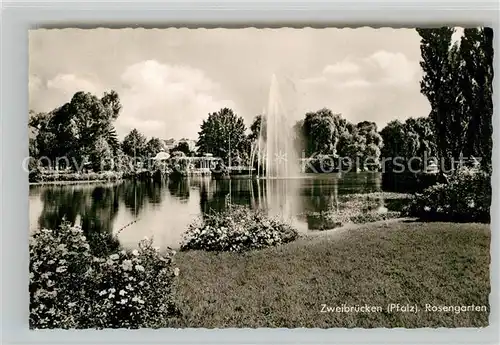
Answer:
[(260, 178)]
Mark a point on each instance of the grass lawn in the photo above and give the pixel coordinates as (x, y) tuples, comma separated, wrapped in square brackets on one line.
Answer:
[(405, 263)]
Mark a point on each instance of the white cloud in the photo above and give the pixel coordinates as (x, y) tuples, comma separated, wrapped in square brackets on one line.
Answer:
[(54, 92), (171, 100), (34, 83), (167, 100), (383, 86), (315, 80), (159, 100), (395, 67), (69, 84), (378, 69), (344, 67), (361, 83)]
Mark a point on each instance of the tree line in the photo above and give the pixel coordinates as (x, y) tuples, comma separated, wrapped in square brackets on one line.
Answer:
[(457, 81), (83, 128), (83, 131)]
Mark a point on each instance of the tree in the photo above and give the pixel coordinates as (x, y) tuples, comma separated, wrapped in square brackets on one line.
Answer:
[(299, 137), (153, 146), (413, 138), (183, 147), (134, 144), (322, 130), (178, 154), (319, 128), (369, 131), (43, 141), (101, 154), (257, 128), (111, 102), (438, 82), (423, 130), (344, 144), (368, 143), (476, 76), (73, 129), (355, 148), (223, 135), (324, 133), (393, 136), (112, 139), (90, 117), (457, 82)]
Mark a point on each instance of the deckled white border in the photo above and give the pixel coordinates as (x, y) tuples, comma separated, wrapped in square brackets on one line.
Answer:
[(19, 16)]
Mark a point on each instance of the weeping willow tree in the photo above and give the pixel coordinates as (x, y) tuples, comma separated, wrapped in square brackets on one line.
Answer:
[(413, 138)]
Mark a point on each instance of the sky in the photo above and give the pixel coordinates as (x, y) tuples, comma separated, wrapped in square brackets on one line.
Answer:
[(169, 80)]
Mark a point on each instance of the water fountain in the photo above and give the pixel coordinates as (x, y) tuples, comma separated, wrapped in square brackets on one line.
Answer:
[(277, 160), (274, 149)]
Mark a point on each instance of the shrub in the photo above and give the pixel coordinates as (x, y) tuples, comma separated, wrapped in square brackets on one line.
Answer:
[(237, 229), (72, 288), (466, 198), (408, 182), (363, 218), (34, 175)]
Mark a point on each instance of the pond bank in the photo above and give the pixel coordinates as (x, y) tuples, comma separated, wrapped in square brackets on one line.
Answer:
[(63, 183), (399, 262), (357, 209), (354, 226)]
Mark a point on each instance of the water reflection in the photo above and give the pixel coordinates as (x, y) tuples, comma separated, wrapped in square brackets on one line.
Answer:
[(94, 208), (282, 198), (163, 210), (179, 187)]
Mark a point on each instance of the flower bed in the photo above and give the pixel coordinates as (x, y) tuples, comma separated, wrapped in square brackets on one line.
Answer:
[(466, 198), (72, 288), (237, 229)]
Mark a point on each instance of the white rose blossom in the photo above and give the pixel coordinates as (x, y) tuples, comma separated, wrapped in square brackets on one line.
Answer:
[(127, 265)]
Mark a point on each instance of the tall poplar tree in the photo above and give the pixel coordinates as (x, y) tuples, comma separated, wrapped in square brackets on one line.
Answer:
[(457, 82)]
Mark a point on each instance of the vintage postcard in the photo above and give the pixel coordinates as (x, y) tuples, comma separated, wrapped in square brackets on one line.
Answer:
[(245, 178)]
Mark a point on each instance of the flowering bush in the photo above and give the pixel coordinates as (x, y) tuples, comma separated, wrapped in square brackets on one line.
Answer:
[(467, 197), (237, 229), (72, 288)]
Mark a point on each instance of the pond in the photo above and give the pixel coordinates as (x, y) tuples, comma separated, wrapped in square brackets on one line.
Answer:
[(163, 211)]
